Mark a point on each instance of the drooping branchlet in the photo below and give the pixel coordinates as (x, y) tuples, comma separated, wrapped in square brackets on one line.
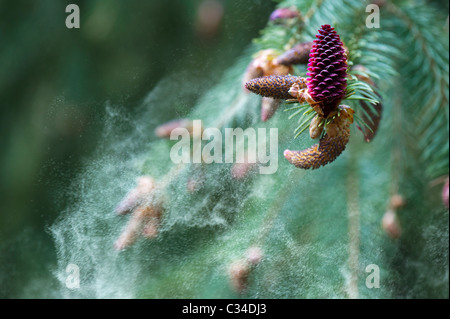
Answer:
[(371, 114)]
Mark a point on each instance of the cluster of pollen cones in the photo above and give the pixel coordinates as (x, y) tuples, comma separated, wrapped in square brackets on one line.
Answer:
[(323, 90)]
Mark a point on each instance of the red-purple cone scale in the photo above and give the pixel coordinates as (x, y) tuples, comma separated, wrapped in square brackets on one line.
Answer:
[(327, 70)]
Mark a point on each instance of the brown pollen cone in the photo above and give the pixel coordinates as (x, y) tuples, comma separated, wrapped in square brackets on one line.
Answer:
[(274, 86), (330, 146)]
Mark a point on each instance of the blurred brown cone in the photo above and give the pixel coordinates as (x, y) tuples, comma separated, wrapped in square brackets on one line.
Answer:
[(164, 130), (240, 171), (240, 270), (284, 13), (145, 186), (397, 201), (299, 54), (445, 193), (264, 65), (209, 19), (238, 273), (268, 108), (146, 213), (391, 224)]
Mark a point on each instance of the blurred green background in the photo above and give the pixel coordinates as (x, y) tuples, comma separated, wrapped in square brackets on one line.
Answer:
[(55, 83)]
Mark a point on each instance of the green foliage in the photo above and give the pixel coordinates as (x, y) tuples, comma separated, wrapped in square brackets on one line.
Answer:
[(320, 229), (425, 63)]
